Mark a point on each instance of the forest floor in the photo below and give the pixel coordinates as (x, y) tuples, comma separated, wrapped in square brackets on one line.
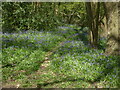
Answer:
[(56, 60)]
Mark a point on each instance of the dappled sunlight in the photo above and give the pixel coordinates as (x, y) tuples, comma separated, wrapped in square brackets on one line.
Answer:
[(62, 54)]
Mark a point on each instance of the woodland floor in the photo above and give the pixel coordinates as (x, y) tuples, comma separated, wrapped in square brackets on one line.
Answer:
[(45, 77)]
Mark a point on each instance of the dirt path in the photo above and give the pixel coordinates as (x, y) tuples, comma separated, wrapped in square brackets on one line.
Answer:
[(46, 62), (44, 75), (47, 56), (44, 70), (44, 66)]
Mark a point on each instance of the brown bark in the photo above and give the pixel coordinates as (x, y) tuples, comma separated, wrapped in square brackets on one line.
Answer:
[(89, 18), (92, 9), (113, 30), (96, 25)]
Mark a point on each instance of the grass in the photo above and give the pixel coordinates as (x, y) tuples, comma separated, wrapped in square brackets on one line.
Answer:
[(73, 65)]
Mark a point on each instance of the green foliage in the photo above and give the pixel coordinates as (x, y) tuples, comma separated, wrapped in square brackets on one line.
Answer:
[(18, 16), (73, 12), (23, 52), (102, 43), (74, 61), (89, 65)]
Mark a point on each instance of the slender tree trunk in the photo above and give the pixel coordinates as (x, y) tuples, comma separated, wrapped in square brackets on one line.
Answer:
[(92, 9), (89, 20), (113, 30), (96, 25)]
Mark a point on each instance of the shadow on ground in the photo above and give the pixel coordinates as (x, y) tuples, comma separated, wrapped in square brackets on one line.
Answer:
[(39, 85)]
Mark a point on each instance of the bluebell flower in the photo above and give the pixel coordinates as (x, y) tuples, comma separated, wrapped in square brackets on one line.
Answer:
[(60, 67), (83, 62), (101, 72)]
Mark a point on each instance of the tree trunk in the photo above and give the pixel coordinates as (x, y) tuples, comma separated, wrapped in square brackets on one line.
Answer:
[(113, 43), (89, 20), (92, 9)]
